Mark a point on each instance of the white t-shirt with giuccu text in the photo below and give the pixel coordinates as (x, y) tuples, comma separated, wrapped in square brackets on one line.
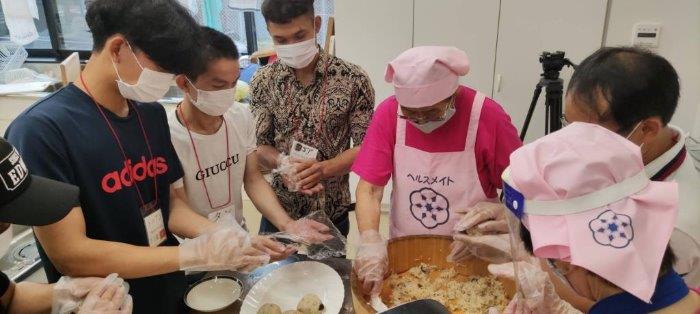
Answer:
[(215, 162)]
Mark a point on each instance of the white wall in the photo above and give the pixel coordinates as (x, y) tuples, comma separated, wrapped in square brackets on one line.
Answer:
[(679, 43), (470, 25), (526, 29), (371, 33)]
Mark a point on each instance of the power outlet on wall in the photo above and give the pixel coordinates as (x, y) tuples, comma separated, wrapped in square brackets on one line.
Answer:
[(646, 35)]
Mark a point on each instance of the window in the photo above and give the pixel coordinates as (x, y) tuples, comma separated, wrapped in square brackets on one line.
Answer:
[(244, 24), (74, 32), (44, 40), (63, 30)]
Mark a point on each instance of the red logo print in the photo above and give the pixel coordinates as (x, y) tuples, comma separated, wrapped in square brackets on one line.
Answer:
[(133, 173)]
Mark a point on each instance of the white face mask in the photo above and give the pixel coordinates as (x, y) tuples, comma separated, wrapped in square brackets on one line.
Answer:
[(298, 55), (5, 241), (559, 274), (632, 132), (150, 87), (213, 103), (431, 126)]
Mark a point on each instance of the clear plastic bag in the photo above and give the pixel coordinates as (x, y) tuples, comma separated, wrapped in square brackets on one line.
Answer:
[(286, 169), (334, 247)]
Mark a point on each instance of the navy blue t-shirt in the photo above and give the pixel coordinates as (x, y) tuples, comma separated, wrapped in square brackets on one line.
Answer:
[(64, 137)]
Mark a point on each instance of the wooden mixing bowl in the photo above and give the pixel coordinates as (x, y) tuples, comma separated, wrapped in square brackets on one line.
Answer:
[(410, 251)]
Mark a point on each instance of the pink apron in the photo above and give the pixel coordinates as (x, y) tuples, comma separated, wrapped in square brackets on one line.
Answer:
[(429, 187)]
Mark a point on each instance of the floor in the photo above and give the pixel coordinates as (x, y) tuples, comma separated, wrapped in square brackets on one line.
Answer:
[(252, 217)]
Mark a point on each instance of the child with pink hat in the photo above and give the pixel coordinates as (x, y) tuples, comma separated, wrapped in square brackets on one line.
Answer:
[(588, 207)]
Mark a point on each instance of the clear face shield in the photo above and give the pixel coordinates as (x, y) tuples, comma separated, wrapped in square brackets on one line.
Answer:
[(528, 276)]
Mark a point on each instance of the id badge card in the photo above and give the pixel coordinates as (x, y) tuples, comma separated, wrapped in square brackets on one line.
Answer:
[(153, 221), (302, 151)]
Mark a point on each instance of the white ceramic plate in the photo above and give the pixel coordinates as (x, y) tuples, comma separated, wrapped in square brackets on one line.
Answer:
[(286, 285)]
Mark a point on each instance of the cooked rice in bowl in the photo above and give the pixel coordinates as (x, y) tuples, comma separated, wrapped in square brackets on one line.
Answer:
[(461, 294)]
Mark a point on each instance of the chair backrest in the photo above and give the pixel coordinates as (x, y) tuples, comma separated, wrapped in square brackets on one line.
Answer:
[(70, 69)]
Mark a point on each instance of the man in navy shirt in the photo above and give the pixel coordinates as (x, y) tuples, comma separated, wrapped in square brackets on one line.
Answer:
[(107, 135), (30, 200)]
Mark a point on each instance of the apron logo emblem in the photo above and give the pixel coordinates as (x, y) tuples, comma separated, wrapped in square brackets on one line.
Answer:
[(612, 229), (429, 207)]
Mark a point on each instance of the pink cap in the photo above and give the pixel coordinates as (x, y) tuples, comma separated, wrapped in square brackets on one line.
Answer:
[(424, 76), (584, 196)]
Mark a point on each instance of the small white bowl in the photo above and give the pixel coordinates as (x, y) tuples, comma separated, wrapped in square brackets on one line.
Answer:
[(213, 294)]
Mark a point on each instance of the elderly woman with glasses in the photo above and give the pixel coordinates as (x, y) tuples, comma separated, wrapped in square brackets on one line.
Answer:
[(444, 145)]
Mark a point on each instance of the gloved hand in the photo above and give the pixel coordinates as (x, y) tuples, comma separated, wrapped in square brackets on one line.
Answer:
[(288, 171), (538, 291), (310, 230), (222, 248), (108, 298), (371, 262), (277, 251), (97, 295), (494, 248), (517, 306), (485, 216)]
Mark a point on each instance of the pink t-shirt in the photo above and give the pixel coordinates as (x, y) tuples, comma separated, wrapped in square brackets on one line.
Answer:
[(496, 139)]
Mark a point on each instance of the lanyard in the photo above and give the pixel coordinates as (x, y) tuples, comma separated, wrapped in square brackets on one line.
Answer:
[(322, 115), (670, 167), (121, 148), (199, 165)]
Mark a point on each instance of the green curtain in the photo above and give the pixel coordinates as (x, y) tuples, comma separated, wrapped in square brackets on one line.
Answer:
[(212, 13)]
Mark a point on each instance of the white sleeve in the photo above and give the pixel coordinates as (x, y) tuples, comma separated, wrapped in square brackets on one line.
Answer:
[(251, 141)]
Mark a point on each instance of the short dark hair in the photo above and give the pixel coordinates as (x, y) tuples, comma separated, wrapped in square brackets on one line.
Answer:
[(217, 45), (636, 83), (666, 262), (284, 11), (162, 29)]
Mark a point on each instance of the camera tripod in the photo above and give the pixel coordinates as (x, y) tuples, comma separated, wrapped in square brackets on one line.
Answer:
[(552, 64)]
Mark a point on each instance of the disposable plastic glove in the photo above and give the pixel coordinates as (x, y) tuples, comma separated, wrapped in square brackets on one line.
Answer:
[(371, 261), (277, 251), (494, 248), (538, 290), (108, 298), (310, 230), (111, 293), (485, 217), (288, 171), (265, 244), (223, 248)]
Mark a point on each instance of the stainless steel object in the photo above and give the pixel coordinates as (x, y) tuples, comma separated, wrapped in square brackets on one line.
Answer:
[(22, 258)]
